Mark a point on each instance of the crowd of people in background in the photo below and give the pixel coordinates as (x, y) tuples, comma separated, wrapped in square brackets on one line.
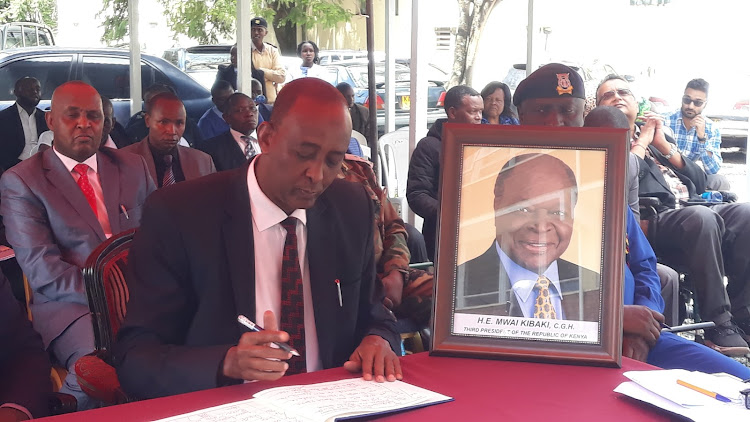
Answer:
[(255, 208)]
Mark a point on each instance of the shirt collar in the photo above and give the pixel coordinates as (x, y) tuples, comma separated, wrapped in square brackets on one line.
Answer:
[(238, 135), (256, 48), (70, 163), (265, 213), (23, 111), (218, 112), (523, 280)]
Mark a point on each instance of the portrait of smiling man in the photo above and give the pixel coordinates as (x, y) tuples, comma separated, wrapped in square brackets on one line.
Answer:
[(521, 274)]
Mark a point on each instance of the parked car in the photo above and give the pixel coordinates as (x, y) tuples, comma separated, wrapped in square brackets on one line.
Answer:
[(106, 69), (25, 34), (728, 107), (354, 72), (201, 62)]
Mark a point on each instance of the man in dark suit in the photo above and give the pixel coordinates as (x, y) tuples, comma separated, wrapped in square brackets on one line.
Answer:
[(359, 113), (136, 127), (23, 362), (229, 72), (522, 274), (21, 123), (233, 148), (274, 236), (167, 161), (57, 207), (710, 241)]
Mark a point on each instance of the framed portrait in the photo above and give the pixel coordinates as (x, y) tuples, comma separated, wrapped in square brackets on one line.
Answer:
[(531, 244)]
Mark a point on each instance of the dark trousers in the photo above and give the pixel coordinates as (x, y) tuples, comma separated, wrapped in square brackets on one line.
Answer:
[(710, 242), (416, 245)]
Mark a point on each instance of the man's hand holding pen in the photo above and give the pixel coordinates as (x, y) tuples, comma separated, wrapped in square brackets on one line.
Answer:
[(253, 358)]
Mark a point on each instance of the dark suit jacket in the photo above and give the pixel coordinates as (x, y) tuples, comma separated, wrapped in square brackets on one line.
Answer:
[(12, 139), (227, 73), (24, 364), (225, 152), (53, 229), (190, 281), (651, 181), (194, 163), (484, 288)]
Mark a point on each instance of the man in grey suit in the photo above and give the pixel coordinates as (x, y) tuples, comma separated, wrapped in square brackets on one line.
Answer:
[(58, 206), (167, 161), (521, 274)]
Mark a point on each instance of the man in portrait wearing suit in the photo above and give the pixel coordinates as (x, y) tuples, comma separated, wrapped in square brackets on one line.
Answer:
[(58, 206), (167, 161), (521, 274), (281, 241), (21, 123), (233, 148)]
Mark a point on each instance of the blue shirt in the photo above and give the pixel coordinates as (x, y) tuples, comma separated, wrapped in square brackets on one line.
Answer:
[(523, 282), (504, 120), (691, 148), (212, 123), (642, 285)]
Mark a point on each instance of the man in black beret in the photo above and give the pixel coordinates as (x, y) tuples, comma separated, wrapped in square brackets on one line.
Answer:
[(266, 58), (552, 95)]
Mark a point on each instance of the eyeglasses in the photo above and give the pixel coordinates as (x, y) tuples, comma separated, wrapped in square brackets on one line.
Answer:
[(622, 92), (687, 100)]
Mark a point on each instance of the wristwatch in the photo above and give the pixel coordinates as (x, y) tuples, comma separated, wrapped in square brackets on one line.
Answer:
[(672, 151)]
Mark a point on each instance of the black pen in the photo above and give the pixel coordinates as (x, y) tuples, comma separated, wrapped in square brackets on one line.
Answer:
[(242, 319)]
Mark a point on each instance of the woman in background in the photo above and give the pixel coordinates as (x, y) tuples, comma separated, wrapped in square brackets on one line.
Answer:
[(308, 52), (498, 107)]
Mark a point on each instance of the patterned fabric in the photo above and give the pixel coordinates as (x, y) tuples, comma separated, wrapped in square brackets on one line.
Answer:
[(708, 151), (543, 307), (292, 301), (85, 185), (249, 149), (391, 252), (168, 173)]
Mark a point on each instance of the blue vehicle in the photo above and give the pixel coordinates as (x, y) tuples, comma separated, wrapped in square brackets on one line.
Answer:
[(106, 69)]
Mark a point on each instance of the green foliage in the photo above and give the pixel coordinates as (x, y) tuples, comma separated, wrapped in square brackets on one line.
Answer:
[(203, 20), (115, 13), (39, 11), (326, 13)]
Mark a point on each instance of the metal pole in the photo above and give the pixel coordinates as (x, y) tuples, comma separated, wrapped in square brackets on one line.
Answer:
[(135, 58), (244, 47), (417, 86), (373, 93), (530, 39), (390, 67)]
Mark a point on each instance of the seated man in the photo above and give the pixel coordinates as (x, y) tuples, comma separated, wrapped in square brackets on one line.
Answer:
[(462, 105), (643, 305), (212, 122), (167, 161), (136, 127), (21, 123), (23, 362), (709, 241), (57, 207), (359, 113), (232, 149), (521, 274), (695, 135), (260, 241)]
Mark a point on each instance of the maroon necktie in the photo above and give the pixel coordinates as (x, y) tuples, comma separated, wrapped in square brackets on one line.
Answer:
[(85, 185), (292, 300)]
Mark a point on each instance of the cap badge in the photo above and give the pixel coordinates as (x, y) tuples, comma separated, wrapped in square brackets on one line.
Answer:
[(563, 84)]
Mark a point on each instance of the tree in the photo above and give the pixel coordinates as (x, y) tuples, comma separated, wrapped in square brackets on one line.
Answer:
[(473, 15), (38, 11), (206, 20)]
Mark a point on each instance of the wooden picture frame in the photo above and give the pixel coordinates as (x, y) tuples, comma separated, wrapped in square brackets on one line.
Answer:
[(541, 217)]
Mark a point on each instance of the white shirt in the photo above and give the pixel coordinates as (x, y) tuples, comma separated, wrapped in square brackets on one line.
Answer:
[(96, 184), (47, 136), (241, 142), (29, 131), (269, 238)]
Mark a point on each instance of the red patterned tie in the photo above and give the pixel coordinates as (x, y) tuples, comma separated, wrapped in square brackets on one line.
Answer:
[(85, 185), (292, 300)]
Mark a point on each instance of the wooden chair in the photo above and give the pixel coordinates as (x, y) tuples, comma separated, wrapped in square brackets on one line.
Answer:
[(107, 291)]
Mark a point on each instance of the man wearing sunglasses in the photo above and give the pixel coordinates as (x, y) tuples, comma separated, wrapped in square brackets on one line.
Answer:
[(709, 241), (697, 138)]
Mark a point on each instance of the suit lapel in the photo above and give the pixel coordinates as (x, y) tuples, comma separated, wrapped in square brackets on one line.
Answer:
[(59, 177), (235, 154), (189, 167), (237, 232), (109, 177), (145, 151), (321, 254)]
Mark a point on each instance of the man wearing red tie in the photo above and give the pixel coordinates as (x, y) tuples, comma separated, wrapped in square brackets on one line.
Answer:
[(57, 207)]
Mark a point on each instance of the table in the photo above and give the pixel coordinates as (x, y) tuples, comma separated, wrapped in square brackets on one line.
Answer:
[(483, 390)]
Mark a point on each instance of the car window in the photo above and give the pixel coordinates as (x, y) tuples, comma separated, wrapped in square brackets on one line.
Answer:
[(111, 75), (45, 37), (52, 71), (13, 37), (29, 36)]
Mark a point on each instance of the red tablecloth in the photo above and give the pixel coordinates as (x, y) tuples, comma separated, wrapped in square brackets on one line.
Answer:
[(483, 390)]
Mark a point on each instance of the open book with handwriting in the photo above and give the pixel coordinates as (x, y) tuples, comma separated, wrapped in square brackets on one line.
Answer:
[(328, 401)]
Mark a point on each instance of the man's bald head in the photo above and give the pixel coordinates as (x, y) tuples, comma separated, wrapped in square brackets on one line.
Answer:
[(307, 93), (606, 116), (76, 119)]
